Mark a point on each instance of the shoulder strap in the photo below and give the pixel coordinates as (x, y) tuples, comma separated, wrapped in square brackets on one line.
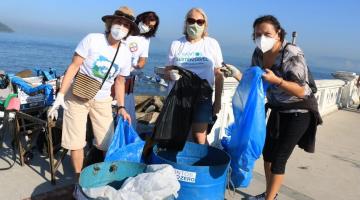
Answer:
[(112, 63), (282, 56)]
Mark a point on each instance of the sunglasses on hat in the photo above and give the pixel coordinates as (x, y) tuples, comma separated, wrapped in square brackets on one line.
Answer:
[(192, 21)]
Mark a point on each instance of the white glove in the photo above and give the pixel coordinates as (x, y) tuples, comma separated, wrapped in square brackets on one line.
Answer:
[(59, 101), (231, 71), (174, 75)]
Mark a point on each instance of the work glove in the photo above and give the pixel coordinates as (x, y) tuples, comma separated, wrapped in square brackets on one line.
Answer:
[(59, 101), (230, 71), (174, 75)]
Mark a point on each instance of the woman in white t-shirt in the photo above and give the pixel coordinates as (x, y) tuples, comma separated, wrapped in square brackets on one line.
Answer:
[(148, 23), (93, 57), (202, 55)]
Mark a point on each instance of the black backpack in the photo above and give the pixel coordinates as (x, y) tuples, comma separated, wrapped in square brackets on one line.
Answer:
[(311, 82)]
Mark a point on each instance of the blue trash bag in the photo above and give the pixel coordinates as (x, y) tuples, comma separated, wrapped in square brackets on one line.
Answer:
[(245, 138), (126, 145)]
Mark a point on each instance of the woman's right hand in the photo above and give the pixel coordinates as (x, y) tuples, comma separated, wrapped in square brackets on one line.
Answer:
[(270, 77), (59, 101), (171, 73), (125, 115)]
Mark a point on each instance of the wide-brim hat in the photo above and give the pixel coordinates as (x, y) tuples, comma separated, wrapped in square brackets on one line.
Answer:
[(127, 14)]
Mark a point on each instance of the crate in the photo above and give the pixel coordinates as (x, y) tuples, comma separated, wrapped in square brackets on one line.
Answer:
[(37, 99)]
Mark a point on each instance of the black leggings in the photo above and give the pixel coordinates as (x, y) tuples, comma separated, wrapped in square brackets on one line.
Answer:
[(277, 151)]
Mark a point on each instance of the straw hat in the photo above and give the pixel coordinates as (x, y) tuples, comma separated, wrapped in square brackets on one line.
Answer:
[(127, 14)]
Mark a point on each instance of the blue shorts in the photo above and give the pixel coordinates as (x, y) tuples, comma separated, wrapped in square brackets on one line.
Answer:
[(203, 111)]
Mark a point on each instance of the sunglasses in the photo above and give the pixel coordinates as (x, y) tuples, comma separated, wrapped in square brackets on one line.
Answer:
[(192, 21)]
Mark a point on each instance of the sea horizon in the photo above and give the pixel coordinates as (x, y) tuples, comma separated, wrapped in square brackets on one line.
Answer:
[(21, 51)]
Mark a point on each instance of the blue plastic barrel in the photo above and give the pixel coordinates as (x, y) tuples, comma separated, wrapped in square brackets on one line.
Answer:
[(201, 170), (109, 173)]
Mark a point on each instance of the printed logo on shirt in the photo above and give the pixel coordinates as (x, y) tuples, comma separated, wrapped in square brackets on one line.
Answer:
[(101, 66), (133, 46), (193, 58)]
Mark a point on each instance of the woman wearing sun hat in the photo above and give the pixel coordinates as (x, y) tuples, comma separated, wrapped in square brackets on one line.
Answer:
[(102, 57)]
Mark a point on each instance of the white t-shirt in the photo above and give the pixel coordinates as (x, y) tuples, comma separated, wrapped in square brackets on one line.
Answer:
[(201, 57), (139, 47), (98, 55)]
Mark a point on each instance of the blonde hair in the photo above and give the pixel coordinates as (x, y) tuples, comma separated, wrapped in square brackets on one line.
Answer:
[(201, 11)]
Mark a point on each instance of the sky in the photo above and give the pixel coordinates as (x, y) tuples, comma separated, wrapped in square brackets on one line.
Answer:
[(328, 30)]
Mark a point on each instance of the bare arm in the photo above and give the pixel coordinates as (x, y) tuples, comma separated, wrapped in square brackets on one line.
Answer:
[(120, 90), (120, 96), (219, 83), (71, 71), (141, 63)]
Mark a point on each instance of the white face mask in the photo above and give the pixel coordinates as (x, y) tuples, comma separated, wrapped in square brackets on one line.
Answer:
[(119, 32), (265, 43), (143, 28)]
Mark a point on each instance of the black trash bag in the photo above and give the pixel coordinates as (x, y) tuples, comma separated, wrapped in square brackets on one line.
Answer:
[(174, 122)]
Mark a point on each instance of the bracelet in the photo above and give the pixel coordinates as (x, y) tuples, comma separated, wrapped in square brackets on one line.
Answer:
[(279, 84), (121, 107)]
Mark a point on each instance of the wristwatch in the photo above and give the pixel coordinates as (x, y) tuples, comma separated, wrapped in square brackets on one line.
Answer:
[(121, 107)]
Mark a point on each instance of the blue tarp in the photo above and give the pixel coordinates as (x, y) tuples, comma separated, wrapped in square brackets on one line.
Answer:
[(28, 89), (246, 136), (126, 145)]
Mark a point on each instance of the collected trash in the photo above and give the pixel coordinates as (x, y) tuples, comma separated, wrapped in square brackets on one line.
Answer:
[(154, 182), (246, 136), (175, 119), (124, 136)]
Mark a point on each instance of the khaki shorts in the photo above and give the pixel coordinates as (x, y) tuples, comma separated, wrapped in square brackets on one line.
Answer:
[(75, 119)]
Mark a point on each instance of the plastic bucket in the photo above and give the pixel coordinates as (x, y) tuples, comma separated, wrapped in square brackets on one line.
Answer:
[(201, 170)]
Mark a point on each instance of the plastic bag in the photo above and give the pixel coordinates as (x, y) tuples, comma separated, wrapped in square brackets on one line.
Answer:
[(175, 119), (124, 138), (159, 182), (246, 136)]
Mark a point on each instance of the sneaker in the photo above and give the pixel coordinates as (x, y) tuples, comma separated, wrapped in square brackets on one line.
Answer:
[(358, 107), (261, 197), (258, 197), (78, 194)]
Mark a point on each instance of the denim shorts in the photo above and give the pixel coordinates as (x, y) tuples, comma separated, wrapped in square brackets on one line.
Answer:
[(203, 111)]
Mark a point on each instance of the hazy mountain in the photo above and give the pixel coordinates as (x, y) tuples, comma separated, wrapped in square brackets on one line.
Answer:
[(5, 28)]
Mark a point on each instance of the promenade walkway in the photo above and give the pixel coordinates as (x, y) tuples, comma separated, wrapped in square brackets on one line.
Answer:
[(333, 172)]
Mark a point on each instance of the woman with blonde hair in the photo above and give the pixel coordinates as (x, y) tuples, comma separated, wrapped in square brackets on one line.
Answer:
[(200, 54)]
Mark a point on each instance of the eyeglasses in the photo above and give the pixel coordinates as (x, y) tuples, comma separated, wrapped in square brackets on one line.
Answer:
[(191, 21)]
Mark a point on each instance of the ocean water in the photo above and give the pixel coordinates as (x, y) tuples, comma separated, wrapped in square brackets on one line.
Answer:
[(19, 52)]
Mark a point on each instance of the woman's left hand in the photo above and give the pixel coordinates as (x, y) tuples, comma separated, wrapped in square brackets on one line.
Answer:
[(270, 77), (125, 115)]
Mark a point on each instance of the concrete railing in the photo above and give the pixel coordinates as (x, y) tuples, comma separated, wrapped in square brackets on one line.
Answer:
[(332, 94)]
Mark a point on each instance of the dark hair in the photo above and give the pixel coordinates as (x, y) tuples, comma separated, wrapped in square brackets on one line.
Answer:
[(271, 20), (141, 17)]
